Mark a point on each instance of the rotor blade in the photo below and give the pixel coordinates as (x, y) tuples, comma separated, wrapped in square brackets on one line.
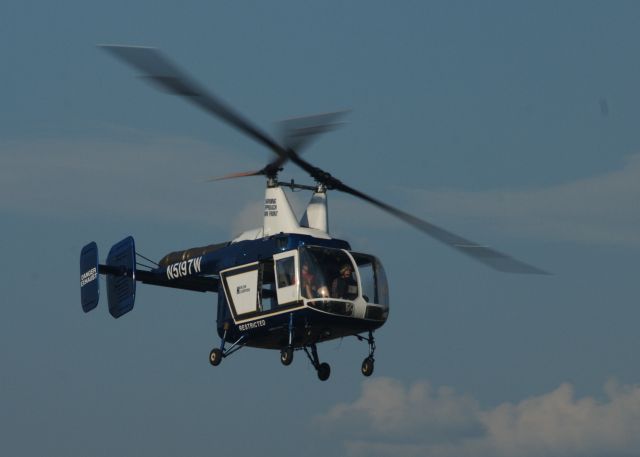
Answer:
[(161, 71), (235, 175), (299, 132), (484, 254), (270, 169), (490, 257)]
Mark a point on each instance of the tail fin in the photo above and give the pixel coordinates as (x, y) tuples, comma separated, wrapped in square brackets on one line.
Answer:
[(89, 283), (121, 288), (120, 270)]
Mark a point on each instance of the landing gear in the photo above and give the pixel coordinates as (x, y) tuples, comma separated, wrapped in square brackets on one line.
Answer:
[(369, 362), (323, 369), (217, 354), (367, 366), (286, 356), (215, 357)]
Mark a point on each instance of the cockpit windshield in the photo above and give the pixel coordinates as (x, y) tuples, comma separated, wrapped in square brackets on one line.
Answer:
[(327, 273), (373, 279)]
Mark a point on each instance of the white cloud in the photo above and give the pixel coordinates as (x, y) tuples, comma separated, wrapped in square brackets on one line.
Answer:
[(389, 419), (600, 209)]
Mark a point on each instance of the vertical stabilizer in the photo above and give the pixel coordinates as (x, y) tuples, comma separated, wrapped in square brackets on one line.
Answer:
[(89, 283), (121, 289)]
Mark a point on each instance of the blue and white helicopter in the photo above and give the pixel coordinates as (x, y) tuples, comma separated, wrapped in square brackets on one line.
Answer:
[(287, 285)]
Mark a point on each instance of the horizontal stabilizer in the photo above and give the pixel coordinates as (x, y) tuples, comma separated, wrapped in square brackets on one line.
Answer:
[(121, 289), (89, 283)]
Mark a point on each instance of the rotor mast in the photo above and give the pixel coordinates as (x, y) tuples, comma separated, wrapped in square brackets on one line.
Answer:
[(279, 217), (278, 214), (316, 215)]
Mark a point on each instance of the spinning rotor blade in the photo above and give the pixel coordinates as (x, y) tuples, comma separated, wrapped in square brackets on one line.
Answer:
[(161, 71), (299, 132), (158, 69), (271, 169), (235, 175), (484, 254)]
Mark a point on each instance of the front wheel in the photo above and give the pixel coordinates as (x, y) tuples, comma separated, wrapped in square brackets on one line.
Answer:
[(286, 356), (215, 357), (324, 371), (367, 366)]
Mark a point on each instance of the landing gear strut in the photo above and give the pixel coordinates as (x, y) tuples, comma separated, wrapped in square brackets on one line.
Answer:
[(217, 354), (368, 362), (323, 369), (286, 354)]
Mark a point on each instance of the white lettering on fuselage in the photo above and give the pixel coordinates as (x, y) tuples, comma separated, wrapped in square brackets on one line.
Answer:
[(184, 268), (88, 276), (252, 325), (270, 207)]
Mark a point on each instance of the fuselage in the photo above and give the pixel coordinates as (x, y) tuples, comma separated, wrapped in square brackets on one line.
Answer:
[(289, 279), (317, 285)]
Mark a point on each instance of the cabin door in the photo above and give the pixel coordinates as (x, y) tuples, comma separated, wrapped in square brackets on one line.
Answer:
[(286, 265), (241, 289)]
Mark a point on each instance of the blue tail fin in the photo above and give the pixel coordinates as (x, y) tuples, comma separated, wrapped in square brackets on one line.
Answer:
[(121, 289), (89, 283)]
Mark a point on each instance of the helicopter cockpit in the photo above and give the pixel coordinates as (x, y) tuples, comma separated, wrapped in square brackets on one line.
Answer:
[(343, 282), (330, 280)]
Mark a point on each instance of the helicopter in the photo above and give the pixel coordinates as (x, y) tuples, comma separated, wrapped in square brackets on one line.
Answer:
[(288, 285)]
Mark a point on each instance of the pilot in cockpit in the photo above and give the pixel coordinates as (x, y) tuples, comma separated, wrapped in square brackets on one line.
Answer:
[(344, 286)]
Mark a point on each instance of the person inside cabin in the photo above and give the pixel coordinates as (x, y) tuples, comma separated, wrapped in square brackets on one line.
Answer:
[(308, 281), (344, 286), (310, 285)]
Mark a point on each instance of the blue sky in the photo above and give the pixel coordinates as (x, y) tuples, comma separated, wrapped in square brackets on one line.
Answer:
[(510, 123)]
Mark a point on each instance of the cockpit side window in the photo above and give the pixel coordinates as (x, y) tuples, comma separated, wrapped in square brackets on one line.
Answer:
[(327, 273), (382, 286), (372, 279)]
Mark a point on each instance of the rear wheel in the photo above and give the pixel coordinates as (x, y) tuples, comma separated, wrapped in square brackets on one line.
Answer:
[(367, 366), (215, 357), (286, 356), (324, 371)]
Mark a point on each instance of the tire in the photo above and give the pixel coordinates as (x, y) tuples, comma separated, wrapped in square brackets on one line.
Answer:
[(324, 371), (215, 357), (367, 366), (286, 356)]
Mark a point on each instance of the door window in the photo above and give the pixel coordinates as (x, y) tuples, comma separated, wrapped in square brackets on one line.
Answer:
[(286, 269), (287, 279)]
